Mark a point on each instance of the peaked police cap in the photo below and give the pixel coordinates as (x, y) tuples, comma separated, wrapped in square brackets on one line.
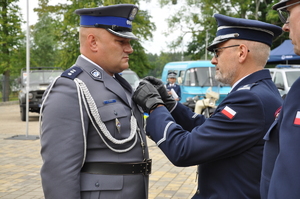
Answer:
[(280, 4), (117, 19), (172, 75), (246, 29)]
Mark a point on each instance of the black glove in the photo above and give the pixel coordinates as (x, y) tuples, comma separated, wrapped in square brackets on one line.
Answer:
[(147, 96), (159, 85)]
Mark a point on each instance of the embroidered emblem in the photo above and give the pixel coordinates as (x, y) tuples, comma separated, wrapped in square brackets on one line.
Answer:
[(96, 73), (229, 112), (297, 118), (276, 114)]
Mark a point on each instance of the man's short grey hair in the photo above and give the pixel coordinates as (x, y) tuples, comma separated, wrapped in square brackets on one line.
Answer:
[(260, 52)]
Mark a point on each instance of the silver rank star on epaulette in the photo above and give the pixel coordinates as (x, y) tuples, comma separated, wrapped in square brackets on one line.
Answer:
[(246, 87), (72, 73)]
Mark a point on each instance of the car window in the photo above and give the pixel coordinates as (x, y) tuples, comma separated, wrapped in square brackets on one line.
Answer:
[(291, 77), (180, 76), (200, 76), (131, 77), (278, 80)]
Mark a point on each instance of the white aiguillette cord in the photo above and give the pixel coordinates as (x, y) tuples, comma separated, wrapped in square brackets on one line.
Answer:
[(90, 104), (83, 91)]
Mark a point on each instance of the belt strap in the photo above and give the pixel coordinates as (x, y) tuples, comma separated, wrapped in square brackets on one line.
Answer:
[(106, 168)]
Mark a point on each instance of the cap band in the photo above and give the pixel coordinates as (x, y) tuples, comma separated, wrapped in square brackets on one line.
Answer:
[(244, 27), (113, 27), (228, 36), (87, 20)]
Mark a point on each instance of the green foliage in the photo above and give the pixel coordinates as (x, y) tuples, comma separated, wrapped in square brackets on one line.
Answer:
[(11, 38), (197, 15), (158, 62), (11, 35), (44, 49), (63, 27)]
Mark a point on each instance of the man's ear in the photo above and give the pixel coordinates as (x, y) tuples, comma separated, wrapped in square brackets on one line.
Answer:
[(92, 41), (243, 50)]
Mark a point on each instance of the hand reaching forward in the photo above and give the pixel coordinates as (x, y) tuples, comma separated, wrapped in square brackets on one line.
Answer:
[(147, 96), (159, 85)]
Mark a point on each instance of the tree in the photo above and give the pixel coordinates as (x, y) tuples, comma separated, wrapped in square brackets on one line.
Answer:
[(44, 48), (196, 17), (66, 31), (160, 61), (11, 38)]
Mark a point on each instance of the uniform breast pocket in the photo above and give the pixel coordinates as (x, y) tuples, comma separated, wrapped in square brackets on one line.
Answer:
[(95, 186), (115, 118)]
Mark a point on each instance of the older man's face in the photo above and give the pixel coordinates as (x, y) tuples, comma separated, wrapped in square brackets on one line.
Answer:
[(225, 62), (293, 25)]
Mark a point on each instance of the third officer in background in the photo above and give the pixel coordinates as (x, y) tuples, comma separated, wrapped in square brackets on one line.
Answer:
[(172, 85)]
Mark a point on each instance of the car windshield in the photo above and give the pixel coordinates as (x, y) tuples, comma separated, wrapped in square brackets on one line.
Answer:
[(41, 77), (291, 77), (201, 76), (131, 77)]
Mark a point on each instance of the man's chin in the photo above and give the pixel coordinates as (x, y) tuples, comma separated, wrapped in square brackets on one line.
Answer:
[(297, 50)]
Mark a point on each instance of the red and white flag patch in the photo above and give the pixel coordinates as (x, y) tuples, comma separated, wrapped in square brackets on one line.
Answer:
[(297, 118), (229, 112)]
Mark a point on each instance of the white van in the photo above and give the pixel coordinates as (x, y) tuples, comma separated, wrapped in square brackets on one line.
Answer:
[(284, 76)]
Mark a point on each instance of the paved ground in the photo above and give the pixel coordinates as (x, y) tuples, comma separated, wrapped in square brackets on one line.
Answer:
[(20, 163)]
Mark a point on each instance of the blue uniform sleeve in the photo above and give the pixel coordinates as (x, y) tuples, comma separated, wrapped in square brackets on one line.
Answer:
[(186, 118), (285, 178), (236, 126)]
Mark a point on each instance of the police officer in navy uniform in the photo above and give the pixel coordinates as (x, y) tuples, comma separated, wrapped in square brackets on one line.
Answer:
[(280, 174), (92, 137), (227, 146), (172, 85)]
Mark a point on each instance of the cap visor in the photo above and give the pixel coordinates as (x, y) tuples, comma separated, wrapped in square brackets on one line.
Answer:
[(124, 34), (279, 5), (215, 43)]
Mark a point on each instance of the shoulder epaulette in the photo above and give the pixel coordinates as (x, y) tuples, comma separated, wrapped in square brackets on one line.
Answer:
[(72, 72), (246, 87)]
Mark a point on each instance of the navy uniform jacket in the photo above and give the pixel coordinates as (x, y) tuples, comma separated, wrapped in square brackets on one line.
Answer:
[(63, 142), (228, 146), (176, 88), (284, 136)]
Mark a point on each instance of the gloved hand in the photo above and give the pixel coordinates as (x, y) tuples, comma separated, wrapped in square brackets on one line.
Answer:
[(159, 85), (147, 96)]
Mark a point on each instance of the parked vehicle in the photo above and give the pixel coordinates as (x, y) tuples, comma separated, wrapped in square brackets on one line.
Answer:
[(284, 76), (39, 79), (195, 78), (178, 67), (131, 77)]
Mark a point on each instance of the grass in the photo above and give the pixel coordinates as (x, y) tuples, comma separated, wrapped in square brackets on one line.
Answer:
[(12, 97)]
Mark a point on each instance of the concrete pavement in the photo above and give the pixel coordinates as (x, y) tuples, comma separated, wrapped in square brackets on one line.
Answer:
[(20, 163)]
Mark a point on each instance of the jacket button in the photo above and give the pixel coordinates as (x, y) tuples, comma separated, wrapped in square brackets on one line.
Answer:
[(97, 184)]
